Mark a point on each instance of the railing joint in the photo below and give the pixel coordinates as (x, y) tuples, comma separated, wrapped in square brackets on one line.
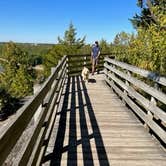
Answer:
[(44, 105)]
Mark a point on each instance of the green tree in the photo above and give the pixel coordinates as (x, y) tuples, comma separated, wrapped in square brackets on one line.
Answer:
[(52, 57), (22, 84), (147, 15), (67, 45), (86, 49), (104, 46), (15, 78), (13, 54), (4, 99), (122, 38), (70, 39), (120, 45), (147, 48)]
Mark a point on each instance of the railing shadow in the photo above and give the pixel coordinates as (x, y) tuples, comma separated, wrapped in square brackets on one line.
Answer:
[(55, 157), (101, 152), (80, 108)]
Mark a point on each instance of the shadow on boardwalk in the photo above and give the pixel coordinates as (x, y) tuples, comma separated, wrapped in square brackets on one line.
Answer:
[(80, 107)]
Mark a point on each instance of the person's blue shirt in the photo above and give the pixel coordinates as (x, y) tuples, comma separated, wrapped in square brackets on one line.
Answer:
[(95, 51)]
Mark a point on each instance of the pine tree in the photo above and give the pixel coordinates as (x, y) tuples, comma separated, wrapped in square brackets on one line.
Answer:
[(147, 15), (104, 46), (52, 57), (70, 39), (67, 45), (22, 84)]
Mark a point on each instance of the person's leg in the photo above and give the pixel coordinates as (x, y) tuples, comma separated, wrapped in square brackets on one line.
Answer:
[(96, 63), (93, 66)]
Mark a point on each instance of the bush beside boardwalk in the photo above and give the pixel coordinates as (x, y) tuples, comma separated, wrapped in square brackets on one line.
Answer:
[(8, 104)]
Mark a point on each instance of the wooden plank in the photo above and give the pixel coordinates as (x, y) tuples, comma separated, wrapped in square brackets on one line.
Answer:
[(114, 162)]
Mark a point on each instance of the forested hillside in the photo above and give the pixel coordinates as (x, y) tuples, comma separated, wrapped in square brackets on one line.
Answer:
[(35, 50)]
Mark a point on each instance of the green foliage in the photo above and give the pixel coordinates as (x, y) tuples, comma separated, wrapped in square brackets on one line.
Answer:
[(147, 15), (122, 38), (120, 46), (1, 46), (86, 49), (105, 48), (70, 39), (147, 48), (4, 99), (7, 76), (35, 52), (12, 54), (35, 59), (15, 79), (22, 84), (53, 56), (8, 104)]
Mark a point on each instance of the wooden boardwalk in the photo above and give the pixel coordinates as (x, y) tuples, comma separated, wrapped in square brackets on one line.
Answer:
[(96, 128)]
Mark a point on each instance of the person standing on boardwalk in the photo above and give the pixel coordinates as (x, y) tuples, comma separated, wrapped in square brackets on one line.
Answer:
[(95, 52)]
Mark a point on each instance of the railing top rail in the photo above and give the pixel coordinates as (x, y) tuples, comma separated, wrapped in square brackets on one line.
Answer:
[(145, 73), (82, 55)]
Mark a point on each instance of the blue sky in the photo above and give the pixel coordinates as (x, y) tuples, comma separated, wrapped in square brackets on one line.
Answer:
[(42, 21)]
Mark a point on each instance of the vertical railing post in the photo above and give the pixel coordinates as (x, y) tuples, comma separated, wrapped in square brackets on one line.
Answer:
[(153, 102), (105, 69), (85, 58), (67, 64), (128, 84)]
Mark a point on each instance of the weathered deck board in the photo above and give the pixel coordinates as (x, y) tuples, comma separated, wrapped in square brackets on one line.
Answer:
[(97, 129)]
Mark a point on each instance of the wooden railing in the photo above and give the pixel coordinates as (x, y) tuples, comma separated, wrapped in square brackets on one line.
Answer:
[(77, 62), (44, 102), (146, 100)]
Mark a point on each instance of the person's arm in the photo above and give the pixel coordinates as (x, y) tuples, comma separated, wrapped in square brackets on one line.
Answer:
[(91, 53)]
